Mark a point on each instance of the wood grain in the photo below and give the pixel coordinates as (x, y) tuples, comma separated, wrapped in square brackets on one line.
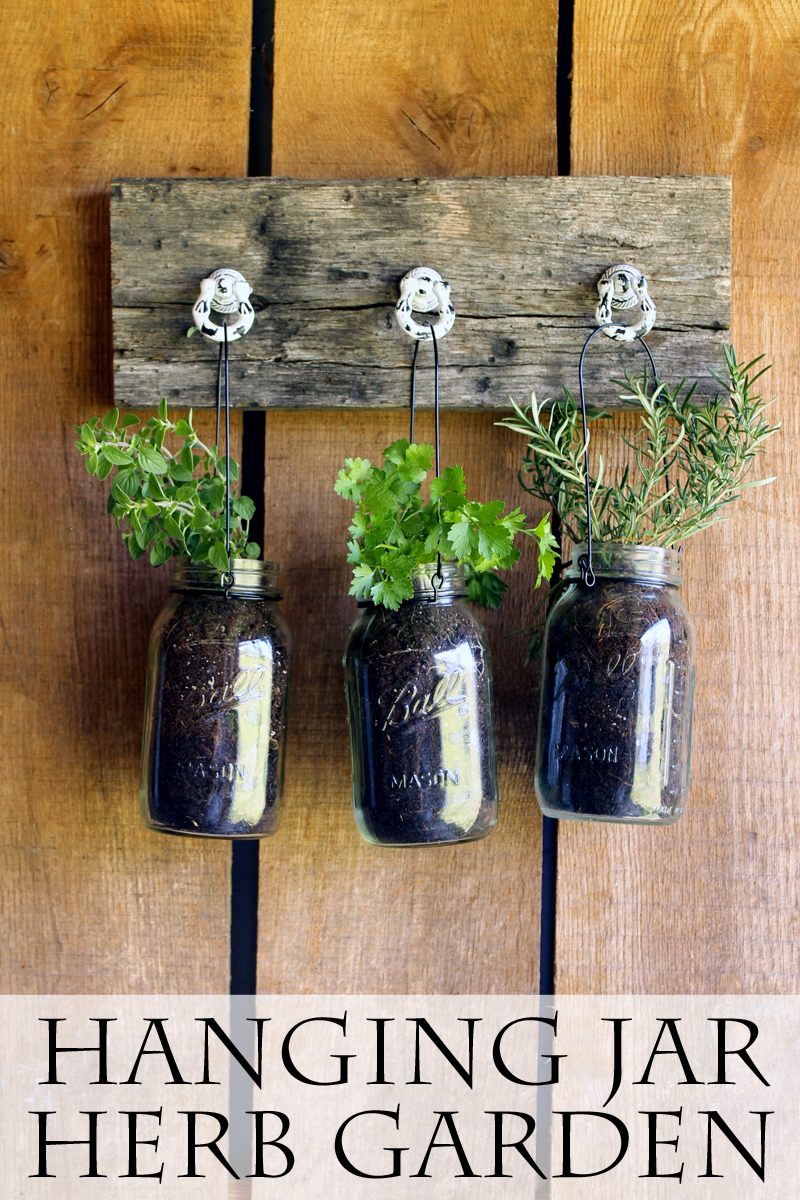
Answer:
[(522, 255), (335, 913), (710, 905), (91, 901), (366, 90)]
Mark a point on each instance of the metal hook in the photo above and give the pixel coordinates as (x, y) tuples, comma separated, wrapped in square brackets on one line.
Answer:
[(225, 291), (620, 288), (423, 290)]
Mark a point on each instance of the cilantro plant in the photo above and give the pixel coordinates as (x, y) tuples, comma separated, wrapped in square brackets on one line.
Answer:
[(395, 530), (170, 501)]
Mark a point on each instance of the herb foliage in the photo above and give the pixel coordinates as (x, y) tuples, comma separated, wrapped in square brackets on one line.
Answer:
[(692, 460), (167, 501), (394, 530)]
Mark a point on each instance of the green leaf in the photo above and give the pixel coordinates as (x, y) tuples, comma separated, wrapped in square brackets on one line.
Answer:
[(129, 419), (117, 456), (218, 557), (486, 588), (104, 467), (244, 508), (462, 538), (191, 331), (160, 552), (109, 421), (363, 579), (162, 408), (186, 491), (451, 480), (151, 508), (351, 478), (252, 550), (186, 459), (151, 460), (391, 593), (87, 434), (179, 473), (494, 541), (183, 428), (393, 454)]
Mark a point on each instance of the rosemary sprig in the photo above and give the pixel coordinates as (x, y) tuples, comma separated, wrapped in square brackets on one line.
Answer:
[(691, 460)]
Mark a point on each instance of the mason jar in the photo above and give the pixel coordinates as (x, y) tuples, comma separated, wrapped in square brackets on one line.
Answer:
[(615, 723), (215, 713), (419, 703)]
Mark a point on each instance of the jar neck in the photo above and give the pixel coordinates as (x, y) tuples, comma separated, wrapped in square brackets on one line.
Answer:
[(428, 586), (616, 560), (250, 578)]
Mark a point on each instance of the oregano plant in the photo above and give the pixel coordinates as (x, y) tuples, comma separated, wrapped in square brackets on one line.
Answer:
[(170, 501), (395, 529)]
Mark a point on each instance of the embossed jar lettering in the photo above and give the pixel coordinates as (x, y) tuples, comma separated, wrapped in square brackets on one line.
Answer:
[(419, 702)]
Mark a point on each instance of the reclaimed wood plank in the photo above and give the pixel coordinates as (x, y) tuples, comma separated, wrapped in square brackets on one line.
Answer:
[(91, 900), (336, 914), (710, 905), (523, 256)]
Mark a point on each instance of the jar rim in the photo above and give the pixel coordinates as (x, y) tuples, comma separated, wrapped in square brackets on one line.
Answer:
[(251, 576), (628, 560), (427, 587)]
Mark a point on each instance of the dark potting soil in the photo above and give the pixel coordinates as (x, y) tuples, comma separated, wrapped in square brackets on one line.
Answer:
[(420, 713), (617, 690), (214, 732)]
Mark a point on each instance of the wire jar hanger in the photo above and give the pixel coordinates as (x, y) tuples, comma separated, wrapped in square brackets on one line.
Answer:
[(620, 287), (422, 290), (227, 292)]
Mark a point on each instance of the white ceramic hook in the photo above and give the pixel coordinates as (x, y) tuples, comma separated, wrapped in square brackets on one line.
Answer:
[(225, 291), (423, 290), (624, 287)]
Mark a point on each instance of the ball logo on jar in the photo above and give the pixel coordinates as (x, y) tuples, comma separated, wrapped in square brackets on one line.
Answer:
[(246, 687), (410, 704)]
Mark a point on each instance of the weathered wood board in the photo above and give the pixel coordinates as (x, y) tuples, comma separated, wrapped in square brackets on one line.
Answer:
[(522, 255)]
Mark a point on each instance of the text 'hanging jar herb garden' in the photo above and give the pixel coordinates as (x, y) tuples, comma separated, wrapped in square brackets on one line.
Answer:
[(417, 667), (218, 672), (617, 686)]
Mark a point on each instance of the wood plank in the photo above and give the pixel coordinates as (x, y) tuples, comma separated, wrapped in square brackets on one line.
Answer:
[(522, 255), (91, 900), (336, 914), (710, 905)]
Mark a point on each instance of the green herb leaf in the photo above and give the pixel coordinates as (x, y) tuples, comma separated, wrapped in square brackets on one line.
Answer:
[(117, 456), (218, 557), (109, 421), (151, 460)]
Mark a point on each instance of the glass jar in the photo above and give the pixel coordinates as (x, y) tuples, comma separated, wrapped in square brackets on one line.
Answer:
[(215, 714), (419, 702), (615, 722)]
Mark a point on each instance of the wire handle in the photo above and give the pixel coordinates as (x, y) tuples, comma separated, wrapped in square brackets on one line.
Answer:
[(227, 577), (438, 578), (585, 560)]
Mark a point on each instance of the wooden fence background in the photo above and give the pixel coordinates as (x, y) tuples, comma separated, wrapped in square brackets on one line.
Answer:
[(93, 902)]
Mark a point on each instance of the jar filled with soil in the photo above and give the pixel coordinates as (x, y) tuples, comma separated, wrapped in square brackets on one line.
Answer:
[(215, 716), (617, 687), (419, 700)]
